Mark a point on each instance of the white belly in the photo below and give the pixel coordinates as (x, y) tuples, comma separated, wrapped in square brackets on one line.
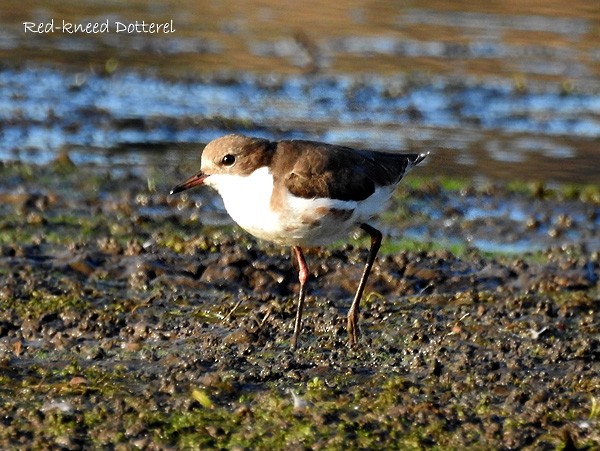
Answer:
[(302, 222)]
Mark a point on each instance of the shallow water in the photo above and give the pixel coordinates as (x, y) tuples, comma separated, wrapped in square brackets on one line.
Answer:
[(45, 110), (501, 92)]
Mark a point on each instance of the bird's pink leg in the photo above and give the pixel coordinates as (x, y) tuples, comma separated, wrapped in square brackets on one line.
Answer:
[(354, 311), (302, 277)]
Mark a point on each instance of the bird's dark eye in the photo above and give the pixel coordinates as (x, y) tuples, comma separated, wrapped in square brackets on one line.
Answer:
[(228, 160)]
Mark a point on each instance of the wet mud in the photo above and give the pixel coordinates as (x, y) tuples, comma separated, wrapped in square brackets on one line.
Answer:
[(131, 318)]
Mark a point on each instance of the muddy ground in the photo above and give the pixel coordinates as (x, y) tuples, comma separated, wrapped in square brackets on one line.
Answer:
[(128, 321)]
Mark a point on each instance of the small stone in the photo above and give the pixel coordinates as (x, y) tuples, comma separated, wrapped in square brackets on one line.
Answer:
[(78, 380)]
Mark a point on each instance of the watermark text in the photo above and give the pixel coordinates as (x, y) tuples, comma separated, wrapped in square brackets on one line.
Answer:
[(64, 26)]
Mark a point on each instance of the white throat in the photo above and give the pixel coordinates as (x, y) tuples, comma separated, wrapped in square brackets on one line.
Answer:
[(248, 199)]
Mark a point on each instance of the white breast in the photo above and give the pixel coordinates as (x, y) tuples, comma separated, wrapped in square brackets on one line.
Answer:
[(247, 200)]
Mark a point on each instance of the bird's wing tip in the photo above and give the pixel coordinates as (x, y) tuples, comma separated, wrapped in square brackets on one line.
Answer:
[(420, 158)]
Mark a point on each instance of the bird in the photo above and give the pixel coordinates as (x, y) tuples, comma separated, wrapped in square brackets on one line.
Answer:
[(302, 193)]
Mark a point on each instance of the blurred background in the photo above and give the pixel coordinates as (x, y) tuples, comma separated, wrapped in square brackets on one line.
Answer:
[(497, 90)]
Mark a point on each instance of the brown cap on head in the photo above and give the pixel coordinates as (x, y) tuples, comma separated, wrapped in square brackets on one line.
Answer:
[(234, 154)]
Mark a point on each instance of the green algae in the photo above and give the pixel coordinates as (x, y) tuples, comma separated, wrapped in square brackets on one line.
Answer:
[(39, 303)]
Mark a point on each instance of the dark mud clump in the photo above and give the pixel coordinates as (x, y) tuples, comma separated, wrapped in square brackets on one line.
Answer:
[(124, 320)]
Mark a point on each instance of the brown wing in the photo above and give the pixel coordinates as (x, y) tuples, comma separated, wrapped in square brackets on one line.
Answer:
[(313, 169)]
